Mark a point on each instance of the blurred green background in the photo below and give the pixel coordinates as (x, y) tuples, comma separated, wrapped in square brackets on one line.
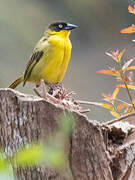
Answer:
[(22, 23)]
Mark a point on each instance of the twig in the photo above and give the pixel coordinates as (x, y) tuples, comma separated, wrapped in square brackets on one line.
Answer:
[(120, 119), (71, 93), (53, 99), (123, 102), (84, 102), (85, 111), (122, 77), (44, 92)]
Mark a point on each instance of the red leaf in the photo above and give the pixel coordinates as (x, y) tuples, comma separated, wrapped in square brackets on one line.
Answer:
[(109, 72), (107, 97), (111, 55), (122, 106), (131, 9), (121, 54), (128, 30), (116, 55), (107, 106)]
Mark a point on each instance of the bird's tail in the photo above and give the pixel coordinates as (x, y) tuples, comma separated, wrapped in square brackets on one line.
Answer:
[(16, 82)]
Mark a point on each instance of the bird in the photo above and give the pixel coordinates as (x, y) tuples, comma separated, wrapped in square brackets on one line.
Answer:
[(50, 57)]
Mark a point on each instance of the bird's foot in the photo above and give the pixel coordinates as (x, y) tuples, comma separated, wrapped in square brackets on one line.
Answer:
[(58, 91), (42, 92), (57, 94), (54, 88)]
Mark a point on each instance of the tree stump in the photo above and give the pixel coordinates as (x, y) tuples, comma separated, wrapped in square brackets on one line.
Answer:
[(95, 151)]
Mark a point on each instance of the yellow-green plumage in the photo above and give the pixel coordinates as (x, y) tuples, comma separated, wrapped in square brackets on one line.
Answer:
[(54, 62), (49, 60)]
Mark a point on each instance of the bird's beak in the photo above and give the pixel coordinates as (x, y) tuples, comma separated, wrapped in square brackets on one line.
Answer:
[(70, 27)]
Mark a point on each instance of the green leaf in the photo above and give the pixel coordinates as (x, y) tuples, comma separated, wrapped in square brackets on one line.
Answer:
[(30, 155), (38, 154), (4, 163), (115, 114)]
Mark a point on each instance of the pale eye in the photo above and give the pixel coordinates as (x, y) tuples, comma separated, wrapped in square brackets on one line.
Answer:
[(60, 26)]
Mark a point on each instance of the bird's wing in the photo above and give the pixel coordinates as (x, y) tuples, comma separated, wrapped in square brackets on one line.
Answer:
[(35, 57), (37, 54)]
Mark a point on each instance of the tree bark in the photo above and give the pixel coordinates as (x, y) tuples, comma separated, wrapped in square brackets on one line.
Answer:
[(95, 151)]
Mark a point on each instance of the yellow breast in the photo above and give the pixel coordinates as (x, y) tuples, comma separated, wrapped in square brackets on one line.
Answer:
[(53, 64), (57, 66)]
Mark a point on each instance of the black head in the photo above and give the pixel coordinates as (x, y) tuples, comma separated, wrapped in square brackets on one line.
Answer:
[(58, 26)]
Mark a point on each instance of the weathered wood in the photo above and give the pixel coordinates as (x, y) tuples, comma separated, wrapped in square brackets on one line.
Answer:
[(91, 154), (90, 160), (122, 151)]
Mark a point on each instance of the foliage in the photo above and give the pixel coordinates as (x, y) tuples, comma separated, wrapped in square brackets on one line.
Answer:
[(130, 29), (116, 106)]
